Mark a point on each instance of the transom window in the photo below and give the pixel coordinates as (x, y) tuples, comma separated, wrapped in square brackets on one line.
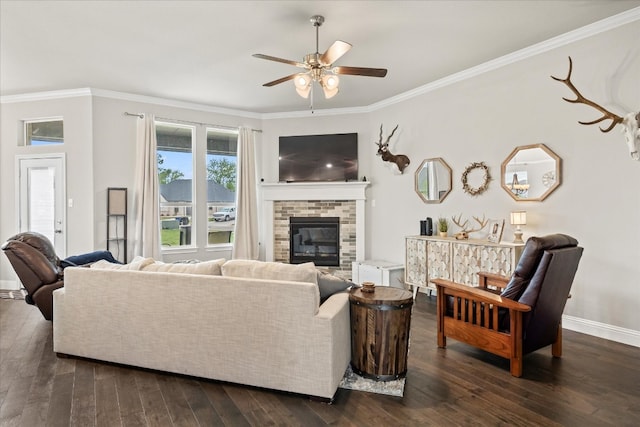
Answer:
[(43, 132)]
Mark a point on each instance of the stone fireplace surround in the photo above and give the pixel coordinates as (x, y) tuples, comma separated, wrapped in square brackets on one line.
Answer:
[(342, 199)]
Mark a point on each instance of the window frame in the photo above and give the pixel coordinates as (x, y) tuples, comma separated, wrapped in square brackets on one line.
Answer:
[(194, 214), (24, 141)]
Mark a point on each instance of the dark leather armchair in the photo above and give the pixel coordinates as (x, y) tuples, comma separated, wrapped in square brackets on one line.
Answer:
[(38, 267), (516, 316)]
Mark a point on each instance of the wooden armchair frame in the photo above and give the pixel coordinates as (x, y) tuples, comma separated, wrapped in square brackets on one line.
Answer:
[(476, 319)]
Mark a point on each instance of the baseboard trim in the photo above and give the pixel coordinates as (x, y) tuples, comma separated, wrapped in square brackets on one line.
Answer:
[(602, 330), (10, 285)]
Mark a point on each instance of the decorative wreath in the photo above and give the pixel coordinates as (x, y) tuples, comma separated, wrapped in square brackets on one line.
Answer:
[(487, 177)]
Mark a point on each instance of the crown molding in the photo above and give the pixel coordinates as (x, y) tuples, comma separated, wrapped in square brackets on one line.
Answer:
[(103, 93), (43, 96), (315, 113), (519, 55), (581, 33)]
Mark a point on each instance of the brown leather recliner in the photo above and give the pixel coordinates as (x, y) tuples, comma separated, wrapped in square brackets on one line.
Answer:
[(38, 267), (526, 315)]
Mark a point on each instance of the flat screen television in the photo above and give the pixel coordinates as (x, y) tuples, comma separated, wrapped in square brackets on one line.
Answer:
[(318, 157)]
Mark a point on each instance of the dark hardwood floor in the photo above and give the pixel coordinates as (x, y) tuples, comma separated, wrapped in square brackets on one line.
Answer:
[(596, 383)]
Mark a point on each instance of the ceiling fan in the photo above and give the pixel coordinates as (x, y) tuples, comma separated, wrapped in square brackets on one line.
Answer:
[(319, 67)]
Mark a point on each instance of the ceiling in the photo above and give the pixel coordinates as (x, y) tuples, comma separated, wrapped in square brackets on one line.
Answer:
[(200, 51)]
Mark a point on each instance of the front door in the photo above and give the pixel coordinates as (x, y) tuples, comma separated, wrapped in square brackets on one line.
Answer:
[(41, 197)]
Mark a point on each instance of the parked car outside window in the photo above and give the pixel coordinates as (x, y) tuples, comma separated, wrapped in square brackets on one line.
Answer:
[(225, 214)]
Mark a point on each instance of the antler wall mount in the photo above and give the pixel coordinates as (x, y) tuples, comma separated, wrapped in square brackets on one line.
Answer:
[(629, 122), (400, 160)]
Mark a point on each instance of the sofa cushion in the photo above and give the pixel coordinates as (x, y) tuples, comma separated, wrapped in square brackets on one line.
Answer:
[(138, 263), (270, 270), (205, 267), (328, 284)]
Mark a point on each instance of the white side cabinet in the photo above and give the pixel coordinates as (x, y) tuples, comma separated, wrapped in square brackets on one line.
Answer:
[(382, 273), (430, 257)]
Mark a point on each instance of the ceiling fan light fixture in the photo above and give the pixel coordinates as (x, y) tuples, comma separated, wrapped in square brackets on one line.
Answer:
[(302, 82), (319, 67), (329, 83)]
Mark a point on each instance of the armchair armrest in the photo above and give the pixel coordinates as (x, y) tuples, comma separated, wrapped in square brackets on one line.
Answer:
[(477, 317), (486, 279), (478, 295)]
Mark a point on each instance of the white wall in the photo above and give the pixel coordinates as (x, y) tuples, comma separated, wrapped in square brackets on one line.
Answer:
[(479, 119), (77, 147), (114, 136), (484, 118)]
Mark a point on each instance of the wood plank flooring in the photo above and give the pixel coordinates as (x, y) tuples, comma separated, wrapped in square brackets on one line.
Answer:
[(595, 383)]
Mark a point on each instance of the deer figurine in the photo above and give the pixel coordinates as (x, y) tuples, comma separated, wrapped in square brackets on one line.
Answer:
[(400, 160), (629, 122)]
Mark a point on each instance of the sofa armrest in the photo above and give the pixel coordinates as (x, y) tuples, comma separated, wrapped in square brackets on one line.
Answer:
[(334, 305)]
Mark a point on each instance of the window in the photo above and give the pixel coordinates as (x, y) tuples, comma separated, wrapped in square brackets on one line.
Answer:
[(222, 155), (175, 176), (178, 169), (43, 132)]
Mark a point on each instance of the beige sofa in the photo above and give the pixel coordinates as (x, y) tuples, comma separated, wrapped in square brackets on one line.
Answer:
[(266, 332)]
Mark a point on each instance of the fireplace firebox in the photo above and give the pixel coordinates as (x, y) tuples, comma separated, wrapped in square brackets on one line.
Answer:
[(314, 239)]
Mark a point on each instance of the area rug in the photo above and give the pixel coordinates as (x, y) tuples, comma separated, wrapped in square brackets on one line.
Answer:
[(12, 294), (353, 381)]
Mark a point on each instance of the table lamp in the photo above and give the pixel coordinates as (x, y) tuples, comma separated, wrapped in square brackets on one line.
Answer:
[(518, 218)]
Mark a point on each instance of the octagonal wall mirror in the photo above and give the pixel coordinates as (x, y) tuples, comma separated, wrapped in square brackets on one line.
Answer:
[(531, 172), (433, 180)]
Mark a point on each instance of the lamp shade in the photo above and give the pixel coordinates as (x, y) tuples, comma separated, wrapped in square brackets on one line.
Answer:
[(519, 218), (330, 84), (302, 82)]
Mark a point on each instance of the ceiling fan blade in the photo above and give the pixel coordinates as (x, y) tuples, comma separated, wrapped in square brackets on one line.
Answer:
[(361, 71), (280, 80), (274, 58), (335, 51)]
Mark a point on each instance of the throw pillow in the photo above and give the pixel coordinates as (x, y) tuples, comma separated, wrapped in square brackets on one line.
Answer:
[(270, 270), (138, 263), (211, 268), (328, 284)]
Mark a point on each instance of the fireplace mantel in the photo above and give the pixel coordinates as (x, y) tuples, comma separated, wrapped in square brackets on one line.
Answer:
[(354, 190), (315, 191)]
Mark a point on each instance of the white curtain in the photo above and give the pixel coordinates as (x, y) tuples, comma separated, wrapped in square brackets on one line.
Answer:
[(146, 204), (245, 244)]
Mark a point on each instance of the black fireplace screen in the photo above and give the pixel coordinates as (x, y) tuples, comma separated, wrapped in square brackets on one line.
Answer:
[(314, 239)]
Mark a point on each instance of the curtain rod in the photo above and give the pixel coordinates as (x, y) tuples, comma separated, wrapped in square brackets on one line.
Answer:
[(141, 115)]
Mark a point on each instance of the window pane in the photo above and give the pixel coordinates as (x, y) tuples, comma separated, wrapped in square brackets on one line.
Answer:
[(175, 174), (222, 150), (43, 132), (42, 201)]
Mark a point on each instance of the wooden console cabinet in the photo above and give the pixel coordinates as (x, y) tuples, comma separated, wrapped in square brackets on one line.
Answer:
[(429, 257)]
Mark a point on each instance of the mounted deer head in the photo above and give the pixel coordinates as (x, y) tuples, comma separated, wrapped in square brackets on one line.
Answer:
[(629, 122), (400, 160)]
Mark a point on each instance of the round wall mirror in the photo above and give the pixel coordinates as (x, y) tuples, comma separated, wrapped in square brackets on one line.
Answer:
[(433, 180), (531, 172)]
